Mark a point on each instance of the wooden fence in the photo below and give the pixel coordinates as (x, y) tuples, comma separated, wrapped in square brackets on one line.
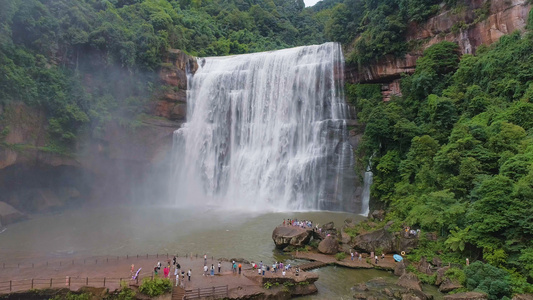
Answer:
[(215, 292)]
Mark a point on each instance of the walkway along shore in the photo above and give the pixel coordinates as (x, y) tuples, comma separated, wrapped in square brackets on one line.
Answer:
[(107, 271)]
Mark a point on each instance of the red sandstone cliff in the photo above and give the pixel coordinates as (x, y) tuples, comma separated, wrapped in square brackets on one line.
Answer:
[(465, 25)]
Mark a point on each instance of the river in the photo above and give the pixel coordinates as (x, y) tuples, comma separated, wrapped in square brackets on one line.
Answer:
[(145, 229)]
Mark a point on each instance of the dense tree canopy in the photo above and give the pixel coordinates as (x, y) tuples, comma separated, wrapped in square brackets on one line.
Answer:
[(454, 156)]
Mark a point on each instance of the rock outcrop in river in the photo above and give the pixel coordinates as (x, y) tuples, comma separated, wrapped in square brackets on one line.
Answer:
[(284, 236)]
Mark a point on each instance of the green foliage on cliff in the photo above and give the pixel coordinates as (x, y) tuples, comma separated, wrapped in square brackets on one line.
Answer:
[(454, 155), (86, 62)]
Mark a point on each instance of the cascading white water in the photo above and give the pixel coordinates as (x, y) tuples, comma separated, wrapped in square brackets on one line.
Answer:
[(266, 131), (365, 198)]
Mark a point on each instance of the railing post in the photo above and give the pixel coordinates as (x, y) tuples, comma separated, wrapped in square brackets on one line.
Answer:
[(69, 281), (96, 262), (50, 282), (146, 255), (60, 264), (10, 285), (87, 281), (104, 281), (32, 265), (198, 292), (32, 283), (213, 290)]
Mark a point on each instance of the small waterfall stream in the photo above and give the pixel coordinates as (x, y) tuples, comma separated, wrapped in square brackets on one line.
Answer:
[(267, 131)]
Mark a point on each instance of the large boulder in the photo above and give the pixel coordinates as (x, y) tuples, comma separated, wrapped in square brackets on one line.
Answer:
[(466, 296), (9, 214), (440, 275), (329, 245), (382, 239), (399, 269), (284, 236), (410, 281), (449, 285)]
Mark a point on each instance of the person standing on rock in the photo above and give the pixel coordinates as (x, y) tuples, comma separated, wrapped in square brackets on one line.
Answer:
[(360, 256), (205, 270), (205, 259), (351, 254), (166, 271), (189, 273), (376, 259), (177, 279), (240, 266), (467, 262), (218, 267), (382, 255)]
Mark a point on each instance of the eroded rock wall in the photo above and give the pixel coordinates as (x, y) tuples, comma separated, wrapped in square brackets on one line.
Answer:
[(464, 25)]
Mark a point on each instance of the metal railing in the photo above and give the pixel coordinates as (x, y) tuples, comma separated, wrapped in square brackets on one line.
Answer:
[(95, 260), (67, 282)]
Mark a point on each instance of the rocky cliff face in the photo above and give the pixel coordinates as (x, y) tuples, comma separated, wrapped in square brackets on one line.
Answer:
[(470, 24), (123, 164)]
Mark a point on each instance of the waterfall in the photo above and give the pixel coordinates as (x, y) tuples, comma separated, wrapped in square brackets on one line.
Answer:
[(266, 131), (365, 198)]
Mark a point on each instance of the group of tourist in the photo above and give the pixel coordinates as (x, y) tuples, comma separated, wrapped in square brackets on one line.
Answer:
[(301, 224), (263, 268)]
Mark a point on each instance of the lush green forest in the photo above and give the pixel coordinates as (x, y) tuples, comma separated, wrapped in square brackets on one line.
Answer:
[(89, 61), (454, 156)]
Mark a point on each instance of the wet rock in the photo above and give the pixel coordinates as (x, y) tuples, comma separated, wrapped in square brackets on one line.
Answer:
[(328, 226), (424, 266), (415, 295), (378, 215), (284, 236), (467, 296), (328, 246), (440, 275), (449, 285), (399, 269), (410, 281), (361, 287), (388, 292), (9, 214), (523, 297)]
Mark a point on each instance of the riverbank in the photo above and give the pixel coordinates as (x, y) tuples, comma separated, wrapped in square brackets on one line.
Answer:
[(106, 272)]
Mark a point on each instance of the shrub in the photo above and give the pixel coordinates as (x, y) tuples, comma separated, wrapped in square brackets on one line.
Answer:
[(155, 287), (488, 279), (457, 274), (340, 256)]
